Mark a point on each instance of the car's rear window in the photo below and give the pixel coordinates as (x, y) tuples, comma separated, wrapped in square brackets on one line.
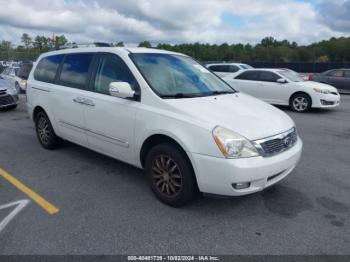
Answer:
[(24, 71)]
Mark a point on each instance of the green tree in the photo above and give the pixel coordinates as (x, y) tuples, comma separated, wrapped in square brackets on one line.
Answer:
[(145, 44), (26, 40), (119, 44)]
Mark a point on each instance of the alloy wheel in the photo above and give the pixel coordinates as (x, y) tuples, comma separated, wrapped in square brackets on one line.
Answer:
[(300, 104), (166, 176), (44, 130)]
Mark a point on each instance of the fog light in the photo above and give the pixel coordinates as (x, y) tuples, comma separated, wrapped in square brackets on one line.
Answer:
[(240, 186)]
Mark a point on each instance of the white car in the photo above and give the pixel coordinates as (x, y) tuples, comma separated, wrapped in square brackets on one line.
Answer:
[(11, 75), (165, 113), (282, 87), (228, 69), (8, 95)]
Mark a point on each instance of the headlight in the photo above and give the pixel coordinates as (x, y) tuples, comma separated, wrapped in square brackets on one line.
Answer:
[(11, 91), (233, 145), (322, 91)]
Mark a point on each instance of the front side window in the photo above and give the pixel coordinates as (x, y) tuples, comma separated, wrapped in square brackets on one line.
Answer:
[(336, 73), (47, 68), (75, 70), (112, 68), (178, 76), (245, 66), (233, 69), (291, 76), (267, 76), (249, 75)]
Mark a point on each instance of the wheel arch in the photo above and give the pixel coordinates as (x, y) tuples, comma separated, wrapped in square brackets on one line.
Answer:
[(159, 138), (300, 92)]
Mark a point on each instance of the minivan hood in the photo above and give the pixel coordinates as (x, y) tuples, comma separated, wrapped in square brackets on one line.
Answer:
[(312, 84), (246, 115)]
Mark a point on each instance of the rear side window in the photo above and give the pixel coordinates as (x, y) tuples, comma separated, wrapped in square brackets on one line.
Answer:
[(220, 68), (75, 70), (47, 68), (249, 75), (267, 76), (112, 68)]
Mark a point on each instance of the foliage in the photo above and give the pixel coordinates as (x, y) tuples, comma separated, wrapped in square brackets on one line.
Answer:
[(268, 50)]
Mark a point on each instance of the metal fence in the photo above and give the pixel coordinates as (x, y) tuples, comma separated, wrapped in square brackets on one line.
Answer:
[(299, 67)]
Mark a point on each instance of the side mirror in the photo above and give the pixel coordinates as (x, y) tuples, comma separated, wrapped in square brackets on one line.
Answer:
[(121, 90), (281, 81)]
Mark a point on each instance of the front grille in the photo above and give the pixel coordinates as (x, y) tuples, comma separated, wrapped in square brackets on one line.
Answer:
[(6, 100), (3, 92), (277, 144)]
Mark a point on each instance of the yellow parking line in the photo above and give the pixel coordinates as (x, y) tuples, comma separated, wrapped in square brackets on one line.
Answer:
[(48, 207)]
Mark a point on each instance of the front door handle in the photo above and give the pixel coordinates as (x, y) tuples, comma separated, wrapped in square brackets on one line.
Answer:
[(89, 102), (79, 100)]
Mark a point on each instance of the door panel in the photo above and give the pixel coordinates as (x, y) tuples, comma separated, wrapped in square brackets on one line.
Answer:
[(69, 114), (110, 121), (70, 96)]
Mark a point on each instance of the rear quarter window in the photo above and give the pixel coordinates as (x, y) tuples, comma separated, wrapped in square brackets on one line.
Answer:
[(46, 69)]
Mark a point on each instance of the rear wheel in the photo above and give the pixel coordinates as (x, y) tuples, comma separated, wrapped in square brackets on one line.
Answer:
[(45, 133), (300, 102), (170, 175)]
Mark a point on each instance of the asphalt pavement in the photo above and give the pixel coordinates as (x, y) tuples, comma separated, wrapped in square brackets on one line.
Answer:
[(106, 206)]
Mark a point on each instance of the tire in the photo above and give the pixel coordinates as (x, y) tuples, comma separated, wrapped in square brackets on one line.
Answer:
[(170, 175), (300, 102), (44, 131)]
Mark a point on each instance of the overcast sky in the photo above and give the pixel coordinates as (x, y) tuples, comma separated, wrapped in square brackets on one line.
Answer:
[(176, 21)]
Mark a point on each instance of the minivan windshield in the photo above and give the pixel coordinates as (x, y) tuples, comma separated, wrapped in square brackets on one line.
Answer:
[(177, 76)]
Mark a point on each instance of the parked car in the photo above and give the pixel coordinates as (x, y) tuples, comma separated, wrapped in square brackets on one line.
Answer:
[(228, 69), (11, 74), (8, 94), (282, 87), (22, 76), (165, 113), (339, 78)]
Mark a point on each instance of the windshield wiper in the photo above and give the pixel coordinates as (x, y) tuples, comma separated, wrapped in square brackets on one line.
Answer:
[(181, 95), (222, 92)]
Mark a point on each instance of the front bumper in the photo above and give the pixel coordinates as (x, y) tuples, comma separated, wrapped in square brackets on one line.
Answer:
[(326, 101), (8, 100), (217, 175)]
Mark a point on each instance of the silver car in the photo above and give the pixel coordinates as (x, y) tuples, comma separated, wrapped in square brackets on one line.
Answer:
[(8, 94)]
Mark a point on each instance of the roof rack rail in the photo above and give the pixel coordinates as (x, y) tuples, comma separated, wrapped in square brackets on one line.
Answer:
[(81, 45)]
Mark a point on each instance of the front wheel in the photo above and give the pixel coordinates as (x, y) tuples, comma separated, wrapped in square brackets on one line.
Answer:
[(300, 102), (170, 175)]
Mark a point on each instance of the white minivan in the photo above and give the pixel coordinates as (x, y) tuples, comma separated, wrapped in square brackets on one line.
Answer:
[(163, 112)]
